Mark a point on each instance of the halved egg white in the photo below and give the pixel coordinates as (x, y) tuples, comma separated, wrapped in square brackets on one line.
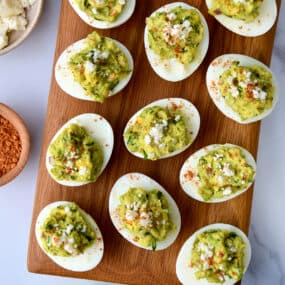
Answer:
[(65, 78), (92, 255), (217, 67), (97, 127), (122, 18), (172, 69), (262, 24), (191, 116), (134, 180), (186, 275), (188, 176)]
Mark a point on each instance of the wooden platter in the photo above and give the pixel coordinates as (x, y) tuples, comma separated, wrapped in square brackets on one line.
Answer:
[(122, 262)]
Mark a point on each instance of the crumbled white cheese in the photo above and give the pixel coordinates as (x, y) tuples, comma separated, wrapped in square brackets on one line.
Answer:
[(175, 33), (69, 164), (171, 16), (68, 229), (122, 2), (17, 23), (259, 94), (234, 91), (220, 179), (100, 1), (99, 55), (145, 219), (68, 247), (131, 215), (177, 118), (67, 210), (227, 171), (3, 34), (227, 191), (94, 10), (82, 170), (89, 66), (147, 139)]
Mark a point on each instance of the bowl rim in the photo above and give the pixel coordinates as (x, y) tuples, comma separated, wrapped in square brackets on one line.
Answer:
[(20, 126), (30, 27)]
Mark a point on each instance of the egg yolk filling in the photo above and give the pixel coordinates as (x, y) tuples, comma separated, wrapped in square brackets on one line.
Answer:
[(102, 10), (218, 255), (99, 67), (248, 91), (145, 214), (65, 232), (245, 10), (176, 33), (157, 132), (223, 172), (75, 155)]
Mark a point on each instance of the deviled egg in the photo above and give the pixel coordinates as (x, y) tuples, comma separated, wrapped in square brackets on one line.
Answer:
[(176, 40), (104, 14), (80, 150), (94, 68), (250, 18), (162, 129), (242, 88), (143, 212), (215, 254), (69, 236), (218, 173)]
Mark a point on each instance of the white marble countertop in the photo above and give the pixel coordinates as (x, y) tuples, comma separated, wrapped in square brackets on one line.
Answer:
[(25, 87)]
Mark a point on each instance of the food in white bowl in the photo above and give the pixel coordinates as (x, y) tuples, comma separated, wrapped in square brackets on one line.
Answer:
[(15, 17)]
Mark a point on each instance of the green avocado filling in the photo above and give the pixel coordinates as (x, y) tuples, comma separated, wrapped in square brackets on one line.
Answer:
[(249, 91), (176, 33), (65, 232), (157, 132), (99, 67), (75, 155), (218, 255), (145, 214), (245, 10), (102, 10), (223, 172)]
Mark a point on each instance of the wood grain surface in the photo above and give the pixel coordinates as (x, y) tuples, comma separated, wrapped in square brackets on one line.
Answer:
[(123, 262)]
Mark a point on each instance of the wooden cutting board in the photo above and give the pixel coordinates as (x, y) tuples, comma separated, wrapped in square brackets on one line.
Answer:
[(123, 262)]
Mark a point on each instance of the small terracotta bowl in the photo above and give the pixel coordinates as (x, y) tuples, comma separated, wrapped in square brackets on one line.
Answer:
[(17, 37), (20, 126)]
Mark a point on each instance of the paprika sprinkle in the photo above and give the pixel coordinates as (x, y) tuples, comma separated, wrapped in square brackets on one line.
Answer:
[(10, 146)]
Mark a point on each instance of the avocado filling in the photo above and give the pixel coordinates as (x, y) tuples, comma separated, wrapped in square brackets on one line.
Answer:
[(75, 155), (218, 255), (157, 132), (145, 214), (245, 10), (223, 172), (99, 67), (65, 232), (249, 91), (102, 10), (176, 33)]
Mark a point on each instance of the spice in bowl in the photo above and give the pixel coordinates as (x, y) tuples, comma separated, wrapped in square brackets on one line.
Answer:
[(10, 146)]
